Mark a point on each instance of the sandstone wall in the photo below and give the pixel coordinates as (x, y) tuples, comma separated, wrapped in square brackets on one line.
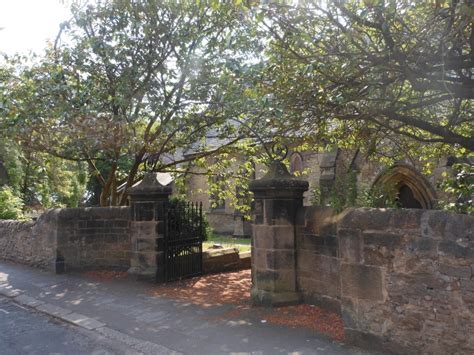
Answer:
[(221, 222), (85, 238), (402, 279), (95, 237), (32, 242)]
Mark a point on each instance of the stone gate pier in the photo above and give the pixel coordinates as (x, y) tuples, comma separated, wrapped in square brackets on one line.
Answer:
[(402, 280), (278, 196), (148, 205)]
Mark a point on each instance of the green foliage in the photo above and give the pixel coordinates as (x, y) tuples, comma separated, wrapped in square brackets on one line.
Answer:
[(11, 206), (229, 175), (462, 187), (376, 197), (40, 178), (346, 194), (315, 196), (127, 79), (374, 72)]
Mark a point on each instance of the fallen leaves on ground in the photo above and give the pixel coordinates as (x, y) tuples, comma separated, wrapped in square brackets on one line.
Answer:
[(233, 288), (310, 317), (209, 290)]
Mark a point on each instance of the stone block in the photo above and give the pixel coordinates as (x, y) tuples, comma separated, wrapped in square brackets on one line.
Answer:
[(453, 249), (259, 258), (220, 260), (365, 219), (383, 239), (110, 238), (275, 280), (349, 313), (144, 260), (459, 227), (324, 245), (280, 211), (53, 310), (375, 257), (406, 219), (271, 298), (258, 212), (467, 285), (426, 247), (121, 224), (28, 301), (331, 304), (350, 245), (362, 282), (143, 229), (320, 220), (280, 259), (433, 224), (141, 245), (319, 265), (326, 286), (143, 211), (455, 271), (273, 237), (82, 321), (94, 224)]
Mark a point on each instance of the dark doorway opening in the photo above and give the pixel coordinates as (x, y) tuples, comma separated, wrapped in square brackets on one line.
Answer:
[(406, 198)]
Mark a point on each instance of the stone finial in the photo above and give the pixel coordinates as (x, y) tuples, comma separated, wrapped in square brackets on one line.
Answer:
[(278, 177), (149, 188)]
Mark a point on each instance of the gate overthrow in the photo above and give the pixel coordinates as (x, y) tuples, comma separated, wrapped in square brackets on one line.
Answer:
[(184, 235)]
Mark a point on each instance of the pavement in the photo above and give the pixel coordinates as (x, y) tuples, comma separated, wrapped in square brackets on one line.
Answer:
[(126, 314), (25, 331)]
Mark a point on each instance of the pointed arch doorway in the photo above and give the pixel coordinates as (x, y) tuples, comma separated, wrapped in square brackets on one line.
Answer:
[(411, 189)]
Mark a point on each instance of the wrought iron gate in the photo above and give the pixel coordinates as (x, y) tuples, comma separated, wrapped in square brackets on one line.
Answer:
[(183, 240)]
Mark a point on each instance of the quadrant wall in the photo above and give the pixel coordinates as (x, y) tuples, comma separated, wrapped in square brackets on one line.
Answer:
[(401, 279)]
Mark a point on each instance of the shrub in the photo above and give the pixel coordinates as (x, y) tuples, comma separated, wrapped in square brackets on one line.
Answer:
[(461, 186), (10, 205)]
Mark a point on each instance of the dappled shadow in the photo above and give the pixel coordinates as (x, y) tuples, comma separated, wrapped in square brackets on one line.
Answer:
[(105, 275), (209, 290), (233, 288)]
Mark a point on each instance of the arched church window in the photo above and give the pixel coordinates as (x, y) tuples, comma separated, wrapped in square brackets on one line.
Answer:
[(296, 163)]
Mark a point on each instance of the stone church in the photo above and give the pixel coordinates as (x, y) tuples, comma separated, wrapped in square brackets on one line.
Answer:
[(325, 171)]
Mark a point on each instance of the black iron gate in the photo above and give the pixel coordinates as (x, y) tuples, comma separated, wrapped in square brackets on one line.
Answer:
[(183, 240)]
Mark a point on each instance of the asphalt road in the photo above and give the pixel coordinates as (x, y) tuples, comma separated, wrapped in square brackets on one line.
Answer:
[(24, 331)]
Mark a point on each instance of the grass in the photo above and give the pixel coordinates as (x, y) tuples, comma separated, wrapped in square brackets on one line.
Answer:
[(243, 244)]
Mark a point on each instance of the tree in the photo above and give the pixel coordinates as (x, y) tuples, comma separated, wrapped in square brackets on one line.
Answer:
[(128, 80), (375, 70)]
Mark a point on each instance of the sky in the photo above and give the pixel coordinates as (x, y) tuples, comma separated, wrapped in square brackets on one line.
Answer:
[(28, 24)]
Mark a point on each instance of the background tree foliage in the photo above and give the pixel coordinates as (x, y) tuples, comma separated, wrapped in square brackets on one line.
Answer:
[(379, 70), (126, 80), (130, 80)]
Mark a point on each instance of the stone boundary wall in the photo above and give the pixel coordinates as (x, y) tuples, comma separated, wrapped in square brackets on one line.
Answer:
[(94, 237), (403, 280), (32, 242), (84, 238)]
